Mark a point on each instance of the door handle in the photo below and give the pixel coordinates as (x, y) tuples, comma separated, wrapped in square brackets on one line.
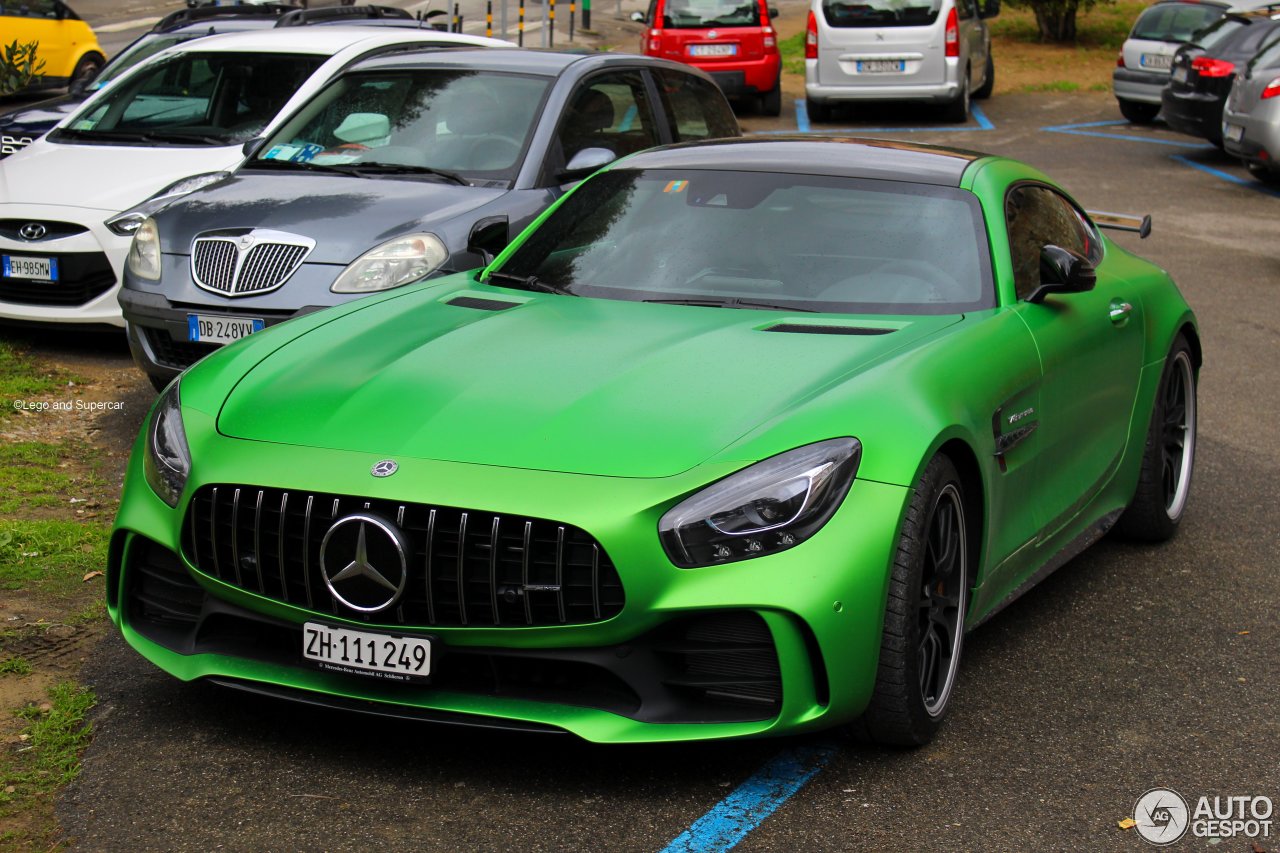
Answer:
[(1120, 311)]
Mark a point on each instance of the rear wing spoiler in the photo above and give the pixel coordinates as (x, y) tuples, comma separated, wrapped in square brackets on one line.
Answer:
[(1140, 225)]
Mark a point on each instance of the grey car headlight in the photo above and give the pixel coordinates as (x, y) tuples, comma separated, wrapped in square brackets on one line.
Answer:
[(144, 252), (396, 262), (167, 462), (768, 507)]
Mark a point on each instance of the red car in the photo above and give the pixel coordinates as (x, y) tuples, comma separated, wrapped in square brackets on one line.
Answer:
[(731, 40)]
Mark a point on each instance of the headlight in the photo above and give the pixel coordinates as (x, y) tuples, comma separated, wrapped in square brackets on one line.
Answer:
[(144, 252), (770, 507), (128, 222), (168, 461), (392, 264)]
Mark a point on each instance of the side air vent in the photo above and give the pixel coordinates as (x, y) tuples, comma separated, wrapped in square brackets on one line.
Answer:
[(481, 304), (812, 329)]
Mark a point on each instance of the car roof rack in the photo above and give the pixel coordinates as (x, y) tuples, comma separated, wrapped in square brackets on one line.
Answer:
[(200, 14), (326, 14)]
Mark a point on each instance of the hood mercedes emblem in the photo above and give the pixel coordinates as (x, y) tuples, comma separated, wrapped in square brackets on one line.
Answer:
[(385, 468), (364, 564), (32, 231)]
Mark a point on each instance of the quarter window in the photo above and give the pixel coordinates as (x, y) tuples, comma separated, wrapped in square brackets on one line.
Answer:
[(1038, 217), (696, 107)]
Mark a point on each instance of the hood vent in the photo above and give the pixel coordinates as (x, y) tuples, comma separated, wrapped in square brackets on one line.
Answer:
[(482, 304), (813, 329)]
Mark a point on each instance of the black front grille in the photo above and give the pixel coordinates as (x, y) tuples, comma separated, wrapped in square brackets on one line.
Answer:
[(724, 658), (465, 567), (170, 352), (81, 277)]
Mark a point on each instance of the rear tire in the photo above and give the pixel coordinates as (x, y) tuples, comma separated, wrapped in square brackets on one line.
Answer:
[(924, 615), (1168, 458), (958, 110), (818, 110), (989, 81), (770, 103), (1138, 112), (86, 69)]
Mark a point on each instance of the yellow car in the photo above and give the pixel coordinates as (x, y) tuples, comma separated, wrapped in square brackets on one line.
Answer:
[(67, 45)]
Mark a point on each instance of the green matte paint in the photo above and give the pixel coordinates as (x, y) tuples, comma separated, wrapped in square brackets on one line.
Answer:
[(604, 414)]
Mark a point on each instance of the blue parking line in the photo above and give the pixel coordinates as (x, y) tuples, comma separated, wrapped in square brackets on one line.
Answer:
[(1075, 130), (804, 126), (731, 819), (1227, 176)]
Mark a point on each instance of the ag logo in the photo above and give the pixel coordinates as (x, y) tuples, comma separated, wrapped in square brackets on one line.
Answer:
[(1161, 815)]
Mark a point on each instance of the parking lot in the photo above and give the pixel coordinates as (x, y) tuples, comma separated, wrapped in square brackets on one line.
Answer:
[(1131, 668)]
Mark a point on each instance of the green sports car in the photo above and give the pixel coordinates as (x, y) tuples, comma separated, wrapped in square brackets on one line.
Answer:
[(738, 438)]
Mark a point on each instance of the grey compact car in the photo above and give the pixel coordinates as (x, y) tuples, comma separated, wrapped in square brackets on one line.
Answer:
[(404, 167), (1251, 116)]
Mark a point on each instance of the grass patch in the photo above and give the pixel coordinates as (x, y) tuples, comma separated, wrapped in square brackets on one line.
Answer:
[(34, 474), (792, 51), (55, 735), (50, 556), (20, 379), (15, 666), (1053, 86)]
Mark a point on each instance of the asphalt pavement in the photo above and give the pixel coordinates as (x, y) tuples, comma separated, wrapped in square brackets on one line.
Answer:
[(1133, 667)]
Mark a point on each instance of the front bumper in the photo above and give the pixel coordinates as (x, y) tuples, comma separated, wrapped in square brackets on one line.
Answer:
[(817, 607), (90, 260), (1143, 87)]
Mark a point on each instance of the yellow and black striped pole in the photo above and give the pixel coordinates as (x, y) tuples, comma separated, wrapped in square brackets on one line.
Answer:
[(551, 16), (572, 8), (488, 18), (457, 21), (520, 26)]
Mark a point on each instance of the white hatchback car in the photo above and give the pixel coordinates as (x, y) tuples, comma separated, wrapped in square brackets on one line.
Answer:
[(935, 51), (166, 128)]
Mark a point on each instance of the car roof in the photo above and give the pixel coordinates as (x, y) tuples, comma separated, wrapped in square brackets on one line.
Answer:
[(849, 157), (325, 41), (545, 62)]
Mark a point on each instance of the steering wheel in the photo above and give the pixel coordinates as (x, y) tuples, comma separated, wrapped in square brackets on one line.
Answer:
[(942, 286), (494, 152)]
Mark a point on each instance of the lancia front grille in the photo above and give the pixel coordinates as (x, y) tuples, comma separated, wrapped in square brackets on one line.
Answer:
[(465, 566), (247, 263)]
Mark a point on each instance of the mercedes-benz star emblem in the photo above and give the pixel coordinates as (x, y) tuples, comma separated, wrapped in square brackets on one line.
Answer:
[(385, 468), (32, 231), (363, 562)]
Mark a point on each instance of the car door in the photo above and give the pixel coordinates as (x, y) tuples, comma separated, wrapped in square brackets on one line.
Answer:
[(42, 21), (973, 36), (1091, 350)]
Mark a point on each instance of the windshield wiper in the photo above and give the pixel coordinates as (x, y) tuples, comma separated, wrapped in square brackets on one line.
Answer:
[(732, 302), (527, 282), (178, 136), (104, 135), (299, 164), (406, 169)]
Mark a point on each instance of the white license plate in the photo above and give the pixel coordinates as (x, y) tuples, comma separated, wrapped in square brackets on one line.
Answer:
[(713, 50), (1233, 132), (384, 656), (212, 329), (1155, 60), (880, 66), (40, 269), (1179, 75)]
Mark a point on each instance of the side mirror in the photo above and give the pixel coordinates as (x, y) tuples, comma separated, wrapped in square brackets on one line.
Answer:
[(638, 17), (1062, 271), (252, 146), (587, 161), (989, 9), (773, 12), (488, 237)]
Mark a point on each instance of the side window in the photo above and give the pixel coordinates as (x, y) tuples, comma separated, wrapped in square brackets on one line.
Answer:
[(696, 108), (965, 9), (610, 111), (34, 9), (1037, 217), (651, 15)]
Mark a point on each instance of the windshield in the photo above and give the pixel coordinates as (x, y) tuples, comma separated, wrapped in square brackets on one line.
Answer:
[(1176, 22), (696, 14), (470, 123), (881, 13), (751, 239), (144, 48), (193, 99)]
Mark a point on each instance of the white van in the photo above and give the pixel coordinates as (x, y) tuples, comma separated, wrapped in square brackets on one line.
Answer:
[(938, 51)]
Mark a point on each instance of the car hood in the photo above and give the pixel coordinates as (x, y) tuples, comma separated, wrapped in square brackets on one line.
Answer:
[(40, 117), (48, 173), (556, 383), (346, 216)]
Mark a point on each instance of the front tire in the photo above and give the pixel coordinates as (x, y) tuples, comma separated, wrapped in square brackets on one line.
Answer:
[(1169, 456), (924, 615)]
